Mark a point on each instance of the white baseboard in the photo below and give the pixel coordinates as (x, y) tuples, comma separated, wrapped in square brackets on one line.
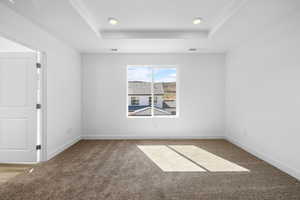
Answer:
[(139, 137), (124, 137), (276, 163), (20, 163), (63, 147)]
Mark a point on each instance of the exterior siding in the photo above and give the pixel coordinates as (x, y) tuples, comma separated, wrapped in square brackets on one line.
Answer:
[(144, 100)]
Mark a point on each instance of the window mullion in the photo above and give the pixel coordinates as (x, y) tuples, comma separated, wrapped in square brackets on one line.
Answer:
[(152, 93)]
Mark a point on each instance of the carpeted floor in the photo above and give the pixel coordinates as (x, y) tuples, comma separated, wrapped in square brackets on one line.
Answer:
[(8, 171), (119, 170)]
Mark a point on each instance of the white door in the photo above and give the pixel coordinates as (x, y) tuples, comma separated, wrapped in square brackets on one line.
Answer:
[(18, 115)]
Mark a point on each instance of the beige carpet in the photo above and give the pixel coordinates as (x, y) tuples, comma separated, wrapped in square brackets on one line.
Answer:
[(120, 170), (8, 171)]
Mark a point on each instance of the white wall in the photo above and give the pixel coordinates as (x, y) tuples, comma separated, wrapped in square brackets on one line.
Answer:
[(263, 95), (201, 90), (63, 78), (10, 46)]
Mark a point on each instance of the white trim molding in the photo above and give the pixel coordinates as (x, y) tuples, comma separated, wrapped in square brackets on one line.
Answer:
[(63, 147), (274, 162), (278, 164), (153, 137), (228, 12), (86, 15)]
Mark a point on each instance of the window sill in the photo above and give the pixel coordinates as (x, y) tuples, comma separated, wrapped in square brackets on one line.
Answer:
[(152, 117)]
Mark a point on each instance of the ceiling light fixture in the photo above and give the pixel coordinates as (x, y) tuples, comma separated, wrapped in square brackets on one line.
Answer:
[(197, 20), (113, 21), (12, 1), (114, 49)]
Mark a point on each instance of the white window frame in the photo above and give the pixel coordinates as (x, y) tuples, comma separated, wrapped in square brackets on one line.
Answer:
[(154, 66)]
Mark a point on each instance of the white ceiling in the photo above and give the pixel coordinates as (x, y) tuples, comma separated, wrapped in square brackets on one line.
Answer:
[(154, 26), (156, 14)]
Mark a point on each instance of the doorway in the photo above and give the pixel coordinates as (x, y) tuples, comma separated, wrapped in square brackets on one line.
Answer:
[(21, 103)]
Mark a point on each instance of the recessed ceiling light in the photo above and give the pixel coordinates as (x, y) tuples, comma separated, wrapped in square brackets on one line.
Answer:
[(197, 20), (113, 21), (192, 49)]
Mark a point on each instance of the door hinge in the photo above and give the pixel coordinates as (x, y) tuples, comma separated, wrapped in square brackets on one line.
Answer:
[(38, 147), (38, 65), (38, 106)]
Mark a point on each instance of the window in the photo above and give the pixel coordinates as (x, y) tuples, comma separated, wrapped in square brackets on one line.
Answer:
[(135, 101), (152, 91)]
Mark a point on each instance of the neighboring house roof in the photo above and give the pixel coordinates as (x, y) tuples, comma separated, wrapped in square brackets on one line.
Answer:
[(170, 103), (147, 111), (134, 108), (144, 88)]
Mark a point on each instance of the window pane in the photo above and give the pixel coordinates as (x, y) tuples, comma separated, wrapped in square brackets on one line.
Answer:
[(139, 91), (164, 91)]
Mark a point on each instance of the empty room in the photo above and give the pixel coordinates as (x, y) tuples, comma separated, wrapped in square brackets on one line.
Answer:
[(149, 100)]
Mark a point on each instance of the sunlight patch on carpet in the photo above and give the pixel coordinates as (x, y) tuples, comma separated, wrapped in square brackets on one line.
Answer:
[(168, 160), (207, 160)]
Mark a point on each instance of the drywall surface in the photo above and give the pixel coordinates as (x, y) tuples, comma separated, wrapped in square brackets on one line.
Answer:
[(201, 97), (262, 95), (63, 78), (10, 46)]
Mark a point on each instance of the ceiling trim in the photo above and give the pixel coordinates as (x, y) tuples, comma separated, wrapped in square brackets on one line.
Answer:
[(228, 12), (154, 34), (84, 12), (156, 51)]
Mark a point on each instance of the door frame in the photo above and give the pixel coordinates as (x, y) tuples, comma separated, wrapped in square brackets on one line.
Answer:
[(43, 98), (43, 121)]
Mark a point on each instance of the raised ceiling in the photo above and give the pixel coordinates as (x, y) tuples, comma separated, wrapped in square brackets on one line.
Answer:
[(156, 14), (153, 26)]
